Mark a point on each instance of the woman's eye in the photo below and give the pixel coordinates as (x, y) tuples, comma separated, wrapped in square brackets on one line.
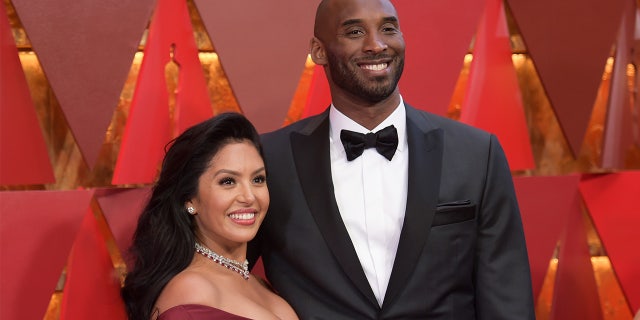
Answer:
[(227, 181), (259, 179)]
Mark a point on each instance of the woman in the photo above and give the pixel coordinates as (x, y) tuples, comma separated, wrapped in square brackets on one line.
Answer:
[(190, 244)]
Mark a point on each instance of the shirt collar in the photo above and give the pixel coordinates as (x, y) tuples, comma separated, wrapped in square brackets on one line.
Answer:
[(338, 121)]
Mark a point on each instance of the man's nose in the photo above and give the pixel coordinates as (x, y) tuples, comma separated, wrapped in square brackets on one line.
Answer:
[(374, 43)]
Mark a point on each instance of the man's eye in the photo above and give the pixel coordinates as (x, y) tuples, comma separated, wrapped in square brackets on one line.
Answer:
[(389, 29), (227, 181), (355, 33)]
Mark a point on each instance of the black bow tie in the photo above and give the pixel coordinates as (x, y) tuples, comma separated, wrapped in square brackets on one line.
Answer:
[(385, 141)]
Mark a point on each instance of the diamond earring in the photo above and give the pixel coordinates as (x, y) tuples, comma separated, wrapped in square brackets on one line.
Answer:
[(191, 210)]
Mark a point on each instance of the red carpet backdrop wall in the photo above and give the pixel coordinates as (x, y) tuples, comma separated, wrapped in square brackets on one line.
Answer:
[(91, 91)]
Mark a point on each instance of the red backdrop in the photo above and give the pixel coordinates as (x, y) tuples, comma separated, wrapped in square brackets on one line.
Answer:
[(264, 60)]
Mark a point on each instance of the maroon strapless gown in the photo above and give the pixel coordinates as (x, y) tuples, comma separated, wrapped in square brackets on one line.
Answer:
[(197, 312)]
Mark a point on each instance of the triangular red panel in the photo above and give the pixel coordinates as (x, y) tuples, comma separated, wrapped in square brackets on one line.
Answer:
[(569, 42), (319, 95), (545, 204), (121, 209), (493, 101), (438, 34), (264, 71), (148, 128), (24, 158), (575, 294), (86, 48), (611, 200), (92, 287), (37, 229), (618, 129)]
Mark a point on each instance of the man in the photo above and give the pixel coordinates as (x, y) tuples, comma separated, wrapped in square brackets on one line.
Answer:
[(425, 229)]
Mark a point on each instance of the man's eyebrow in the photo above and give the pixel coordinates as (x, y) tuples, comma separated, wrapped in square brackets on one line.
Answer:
[(351, 22), (357, 21), (390, 19)]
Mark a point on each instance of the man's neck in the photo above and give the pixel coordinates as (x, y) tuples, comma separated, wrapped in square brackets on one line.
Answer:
[(368, 115)]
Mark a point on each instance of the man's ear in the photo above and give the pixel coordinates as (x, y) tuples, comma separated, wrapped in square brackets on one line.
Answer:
[(318, 53)]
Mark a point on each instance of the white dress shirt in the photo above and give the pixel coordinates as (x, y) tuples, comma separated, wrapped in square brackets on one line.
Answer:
[(371, 193)]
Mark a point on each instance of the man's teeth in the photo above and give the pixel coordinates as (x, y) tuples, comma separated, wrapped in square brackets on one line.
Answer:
[(242, 216), (375, 67)]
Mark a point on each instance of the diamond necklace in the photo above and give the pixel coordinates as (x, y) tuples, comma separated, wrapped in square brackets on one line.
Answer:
[(240, 267)]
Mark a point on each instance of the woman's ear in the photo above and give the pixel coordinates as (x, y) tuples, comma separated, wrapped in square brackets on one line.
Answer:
[(190, 208), (318, 53)]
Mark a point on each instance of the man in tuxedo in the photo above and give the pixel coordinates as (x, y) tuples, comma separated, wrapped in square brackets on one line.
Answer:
[(379, 210)]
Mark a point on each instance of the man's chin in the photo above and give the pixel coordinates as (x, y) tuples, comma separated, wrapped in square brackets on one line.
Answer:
[(377, 95)]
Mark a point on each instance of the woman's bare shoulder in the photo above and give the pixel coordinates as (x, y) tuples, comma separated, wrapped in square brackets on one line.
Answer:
[(188, 287)]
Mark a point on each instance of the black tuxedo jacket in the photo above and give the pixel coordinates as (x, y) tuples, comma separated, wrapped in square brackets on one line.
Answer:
[(462, 251)]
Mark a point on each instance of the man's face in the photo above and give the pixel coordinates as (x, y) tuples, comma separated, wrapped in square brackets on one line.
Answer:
[(364, 48)]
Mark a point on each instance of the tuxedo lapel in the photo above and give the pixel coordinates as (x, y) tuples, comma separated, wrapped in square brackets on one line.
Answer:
[(310, 147), (425, 162)]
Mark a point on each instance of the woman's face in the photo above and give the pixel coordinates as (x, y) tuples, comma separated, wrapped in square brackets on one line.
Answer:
[(232, 197)]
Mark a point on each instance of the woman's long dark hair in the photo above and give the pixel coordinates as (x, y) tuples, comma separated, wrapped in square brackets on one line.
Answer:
[(163, 242)]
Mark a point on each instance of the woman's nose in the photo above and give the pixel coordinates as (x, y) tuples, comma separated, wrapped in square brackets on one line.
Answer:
[(246, 195)]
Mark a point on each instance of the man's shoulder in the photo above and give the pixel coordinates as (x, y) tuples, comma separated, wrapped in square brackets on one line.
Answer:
[(448, 125), (297, 126)]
